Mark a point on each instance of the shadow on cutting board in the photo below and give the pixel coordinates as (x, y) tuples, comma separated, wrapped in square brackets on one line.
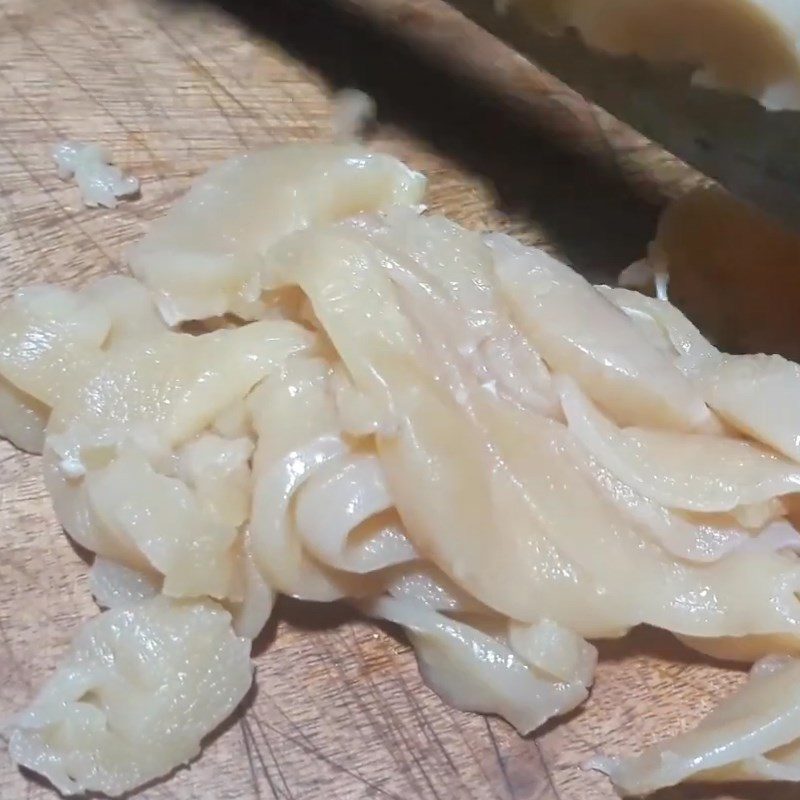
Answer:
[(590, 214)]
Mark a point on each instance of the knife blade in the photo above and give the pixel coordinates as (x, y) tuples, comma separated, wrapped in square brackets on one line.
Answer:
[(753, 152)]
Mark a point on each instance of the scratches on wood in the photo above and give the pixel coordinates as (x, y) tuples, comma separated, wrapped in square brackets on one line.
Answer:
[(286, 791), (209, 82), (302, 741), (254, 747), (403, 740), (247, 739), (500, 760), (550, 790)]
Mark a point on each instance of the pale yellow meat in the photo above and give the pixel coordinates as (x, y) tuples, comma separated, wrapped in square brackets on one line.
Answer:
[(665, 327), (113, 584), (744, 649), (738, 388), (346, 518), (465, 460), (423, 582), (454, 432), (295, 416), (555, 651), (130, 307), (108, 461), (758, 394), (255, 597), (689, 471), (753, 735), (201, 259), (141, 687), (22, 418), (544, 561), (475, 672), (162, 520), (50, 337), (176, 384), (686, 536), (217, 469), (578, 332)]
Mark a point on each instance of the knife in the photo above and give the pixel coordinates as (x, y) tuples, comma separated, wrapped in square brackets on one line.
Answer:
[(753, 152)]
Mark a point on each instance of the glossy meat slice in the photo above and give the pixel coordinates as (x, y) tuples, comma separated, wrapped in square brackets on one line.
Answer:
[(553, 650), (22, 418), (113, 585), (176, 384), (299, 543), (555, 541), (463, 461), (201, 259), (109, 461), (475, 672), (753, 735), (691, 471), (759, 395), (141, 687), (52, 338), (140, 513), (678, 336), (446, 273), (578, 332)]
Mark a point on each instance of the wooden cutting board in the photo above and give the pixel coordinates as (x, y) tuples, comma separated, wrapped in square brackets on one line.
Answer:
[(339, 710)]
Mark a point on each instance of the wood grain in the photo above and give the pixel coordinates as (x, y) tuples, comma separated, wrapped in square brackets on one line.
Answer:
[(339, 710)]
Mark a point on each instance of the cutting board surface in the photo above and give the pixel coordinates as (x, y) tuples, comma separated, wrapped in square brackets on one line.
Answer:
[(339, 710)]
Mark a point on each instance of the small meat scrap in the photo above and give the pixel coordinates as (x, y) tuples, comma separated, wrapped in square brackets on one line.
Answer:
[(101, 183)]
